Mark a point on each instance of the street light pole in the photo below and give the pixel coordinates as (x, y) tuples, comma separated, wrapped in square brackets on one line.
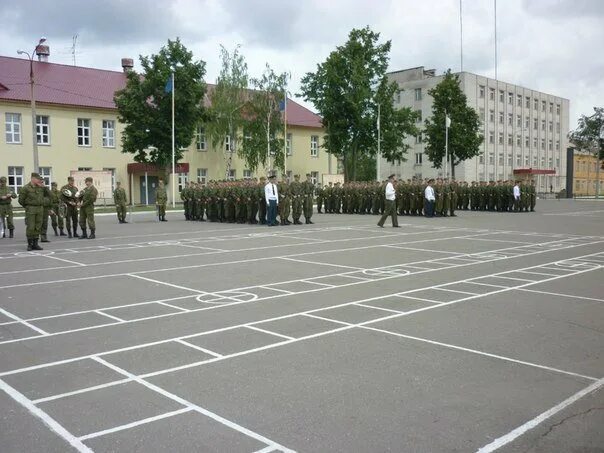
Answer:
[(33, 103)]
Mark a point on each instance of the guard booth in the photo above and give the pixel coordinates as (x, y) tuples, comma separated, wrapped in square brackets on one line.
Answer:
[(144, 179)]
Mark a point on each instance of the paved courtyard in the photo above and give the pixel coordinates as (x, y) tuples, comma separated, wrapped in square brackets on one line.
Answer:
[(483, 332)]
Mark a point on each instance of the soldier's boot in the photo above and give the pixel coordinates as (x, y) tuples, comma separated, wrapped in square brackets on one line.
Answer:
[(35, 245), (309, 222), (62, 232), (69, 233), (30, 244), (92, 235), (83, 235), (43, 238), (55, 230), (283, 222), (163, 218), (11, 234)]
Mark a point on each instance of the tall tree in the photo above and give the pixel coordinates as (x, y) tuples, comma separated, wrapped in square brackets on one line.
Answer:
[(464, 131), (228, 101), (263, 130), (589, 136), (146, 108), (346, 90)]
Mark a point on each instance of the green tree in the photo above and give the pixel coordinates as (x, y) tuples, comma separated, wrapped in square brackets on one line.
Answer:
[(589, 136), (464, 132), (346, 90), (146, 109), (263, 130), (228, 100)]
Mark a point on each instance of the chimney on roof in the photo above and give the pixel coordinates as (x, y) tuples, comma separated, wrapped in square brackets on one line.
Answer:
[(43, 52), (127, 64)]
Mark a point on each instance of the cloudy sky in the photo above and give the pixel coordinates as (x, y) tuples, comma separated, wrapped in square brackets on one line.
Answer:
[(553, 46)]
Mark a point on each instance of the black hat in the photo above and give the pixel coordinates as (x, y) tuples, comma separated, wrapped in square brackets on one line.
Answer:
[(391, 176), (36, 175)]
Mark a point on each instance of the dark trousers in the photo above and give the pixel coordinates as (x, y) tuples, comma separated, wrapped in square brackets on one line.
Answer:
[(429, 208), (389, 210), (272, 212)]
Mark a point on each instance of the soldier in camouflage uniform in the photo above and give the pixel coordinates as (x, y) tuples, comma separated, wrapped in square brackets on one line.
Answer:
[(55, 215), (45, 214), (31, 197), (308, 189), (161, 199), (87, 200), (6, 208), (71, 213), (297, 196), (120, 199)]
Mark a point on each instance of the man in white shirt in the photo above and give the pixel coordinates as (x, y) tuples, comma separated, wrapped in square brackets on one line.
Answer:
[(271, 195), (390, 205), (516, 192), (429, 199)]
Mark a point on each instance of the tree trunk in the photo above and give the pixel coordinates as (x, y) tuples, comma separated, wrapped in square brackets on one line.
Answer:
[(453, 164)]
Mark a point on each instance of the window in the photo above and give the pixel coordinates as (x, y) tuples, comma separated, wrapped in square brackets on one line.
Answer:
[(551, 107), (518, 160), (557, 145), (288, 144), (84, 168), (550, 146), (398, 97), (527, 122), (542, 125), (535, 123), (492, 94), (500, 117), (481, 91), (510, 119), (314, 177), (46, 173), (550, 162), (518, 140), (481, 114), (534, 161), (183, 178), (232, 175), (491, 158), (551, 126), (557, 109), (314, 146), (12, 128), (418, 94), (500, 159), (227, 143), (519, 100), (536, 104), (42, 130), (510, 98), (558, 163), (527, 141), (418, 158), (491, 116), (15, 178), (481, 159), (543, 103), (527, 160), (418, 118), (200, 139), (491, 137), (418, 138), (83, 132), (247, 174), (112, 170), (543, 144), (510, 140), (534, 142), (518, 121), (501, 95), (509, 158), (527, 102), (491, 176), (108, 134), (500, 140), (202, 175), (558, 127)]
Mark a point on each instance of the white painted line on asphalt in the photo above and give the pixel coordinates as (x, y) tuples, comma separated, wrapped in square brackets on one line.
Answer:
[(258, 329), (10, 315), (318, 263), (474, 282), (173, 306), (514, 434), (379, 308), (445, 288), (193, 406), (166, 284), (135, 424), (519, 279), (318, 283), (322, 318), (46, 419), (82, 390), (428, 250), (550, 293), (475, 351), (109, 316), (407, 296), (199, 348), (64, 260), (539, 273), (276, 289)]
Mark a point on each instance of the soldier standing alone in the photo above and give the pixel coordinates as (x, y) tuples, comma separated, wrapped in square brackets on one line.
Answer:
[(161, 199), (120, 200), (31, 197)]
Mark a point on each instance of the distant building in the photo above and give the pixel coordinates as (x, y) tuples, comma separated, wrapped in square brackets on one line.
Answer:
[(583, 173), (522, 128), (78, 129)]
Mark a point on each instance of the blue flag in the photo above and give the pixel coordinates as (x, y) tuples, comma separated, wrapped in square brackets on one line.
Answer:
[(169, 84)]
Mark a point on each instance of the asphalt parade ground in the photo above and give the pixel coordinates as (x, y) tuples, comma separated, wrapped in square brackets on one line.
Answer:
[(483, 332)]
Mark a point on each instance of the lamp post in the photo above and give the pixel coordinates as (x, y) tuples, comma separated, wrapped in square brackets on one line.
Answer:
[(33, 102)]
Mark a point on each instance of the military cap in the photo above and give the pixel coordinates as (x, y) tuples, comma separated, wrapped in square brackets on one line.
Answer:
[(53, 183), (391, 176), (272, 176), (89, 179), (36, 175), (308, 175)]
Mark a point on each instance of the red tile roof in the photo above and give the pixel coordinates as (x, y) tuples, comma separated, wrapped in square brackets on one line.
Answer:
[(89, 88)]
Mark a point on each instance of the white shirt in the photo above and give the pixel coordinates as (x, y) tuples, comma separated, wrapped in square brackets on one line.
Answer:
[(390, 192), (516, 192), (429, 193), (271, 192)]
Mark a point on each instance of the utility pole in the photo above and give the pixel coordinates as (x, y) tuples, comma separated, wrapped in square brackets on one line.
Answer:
[(379, 145)]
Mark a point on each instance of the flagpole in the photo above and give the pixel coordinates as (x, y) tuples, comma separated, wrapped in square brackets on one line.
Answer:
[(446, 146), (285, 127), (379, 149), (173, 148)]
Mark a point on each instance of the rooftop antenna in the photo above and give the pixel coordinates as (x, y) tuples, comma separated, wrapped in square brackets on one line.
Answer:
[(73, 48)]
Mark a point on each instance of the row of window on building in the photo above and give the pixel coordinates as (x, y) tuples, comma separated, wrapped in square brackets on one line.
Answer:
[(16, 176), (518, 162), (519, 100), (586, 187), (519, 123), (13, 130)]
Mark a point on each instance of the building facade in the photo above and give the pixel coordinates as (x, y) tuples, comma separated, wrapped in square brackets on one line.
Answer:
[(522, 129), (77, 128), (586, 173)]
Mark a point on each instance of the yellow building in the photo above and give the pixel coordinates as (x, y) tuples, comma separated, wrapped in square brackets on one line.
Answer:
[(585, 174), (77, 128)]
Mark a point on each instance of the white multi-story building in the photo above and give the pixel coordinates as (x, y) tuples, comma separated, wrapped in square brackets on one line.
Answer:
[(522, 128)]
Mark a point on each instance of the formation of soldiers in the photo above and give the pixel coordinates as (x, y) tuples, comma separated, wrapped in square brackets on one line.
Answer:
[(243, 201), (368, 197)]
